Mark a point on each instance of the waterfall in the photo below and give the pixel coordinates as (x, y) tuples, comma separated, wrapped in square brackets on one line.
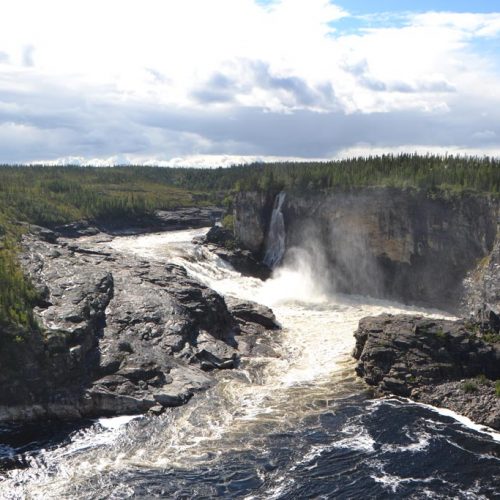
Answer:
[(275, 244)]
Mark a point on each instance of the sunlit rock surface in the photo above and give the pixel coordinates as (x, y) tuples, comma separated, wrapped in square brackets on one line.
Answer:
[(119, 334), (451, 364)]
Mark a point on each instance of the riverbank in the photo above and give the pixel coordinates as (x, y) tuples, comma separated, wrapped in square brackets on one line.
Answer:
[(117, 334), (448, 364)]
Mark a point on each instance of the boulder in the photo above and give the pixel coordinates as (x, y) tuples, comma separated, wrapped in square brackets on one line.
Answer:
[(223, 244)]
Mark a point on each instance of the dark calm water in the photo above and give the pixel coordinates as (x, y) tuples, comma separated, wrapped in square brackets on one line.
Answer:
[(299, 425)]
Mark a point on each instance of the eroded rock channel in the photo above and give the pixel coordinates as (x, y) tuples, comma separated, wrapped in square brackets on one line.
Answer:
[(119, 334)]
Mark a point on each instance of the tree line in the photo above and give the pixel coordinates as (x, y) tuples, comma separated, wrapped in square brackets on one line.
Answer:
[(50, 196)]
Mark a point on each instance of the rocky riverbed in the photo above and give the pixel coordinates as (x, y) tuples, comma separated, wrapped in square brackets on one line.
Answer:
[(118, 334), (451, 364)]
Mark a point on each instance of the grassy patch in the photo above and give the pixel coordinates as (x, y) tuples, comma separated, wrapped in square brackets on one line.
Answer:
[(469, 387), (441, 335), (491, 337), (483, 380)]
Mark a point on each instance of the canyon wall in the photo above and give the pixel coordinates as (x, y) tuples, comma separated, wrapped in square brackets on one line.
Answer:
[(405, 244)]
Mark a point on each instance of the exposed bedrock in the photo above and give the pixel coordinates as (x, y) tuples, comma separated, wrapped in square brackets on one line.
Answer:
[(223, 244), (119, 335), (451, 364), (404, 244), (160, 220)]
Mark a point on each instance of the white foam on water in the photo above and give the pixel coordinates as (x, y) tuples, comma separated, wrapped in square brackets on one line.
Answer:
[(463, 420), (116, 422), (275, 393), (358, 439)]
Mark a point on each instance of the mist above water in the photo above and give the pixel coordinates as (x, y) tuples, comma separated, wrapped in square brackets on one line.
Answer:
[(260, 425)]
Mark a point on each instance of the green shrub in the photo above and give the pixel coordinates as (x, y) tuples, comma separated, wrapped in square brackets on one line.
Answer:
[(441, 335), (228, 222), (469, 387), (491, 337), (497, 388), (482, 379)]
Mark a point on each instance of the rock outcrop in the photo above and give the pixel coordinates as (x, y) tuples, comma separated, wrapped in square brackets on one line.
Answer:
[(118, 335), (452, 364), (252, 214), (482, 286), (161, 220), (404, 244), (222, 243)]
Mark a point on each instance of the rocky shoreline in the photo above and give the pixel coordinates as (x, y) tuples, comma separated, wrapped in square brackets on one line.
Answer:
[(118, 334), (161, 220), (445, 363), (222, 243), (123, 335)]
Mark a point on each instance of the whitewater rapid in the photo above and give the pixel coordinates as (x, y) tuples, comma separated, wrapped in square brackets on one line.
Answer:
[(272, 415)]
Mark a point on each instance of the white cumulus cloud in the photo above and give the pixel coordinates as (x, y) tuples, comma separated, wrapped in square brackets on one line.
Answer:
[(155, 80)]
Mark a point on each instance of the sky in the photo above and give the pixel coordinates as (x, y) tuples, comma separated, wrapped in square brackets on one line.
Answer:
[(219, 82)]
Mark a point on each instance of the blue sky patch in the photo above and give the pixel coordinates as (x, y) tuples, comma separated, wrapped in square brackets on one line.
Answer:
[(360, 7)]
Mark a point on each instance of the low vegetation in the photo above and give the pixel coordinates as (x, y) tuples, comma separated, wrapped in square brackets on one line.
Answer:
[(49, 196), (469, 387), (17, 296)]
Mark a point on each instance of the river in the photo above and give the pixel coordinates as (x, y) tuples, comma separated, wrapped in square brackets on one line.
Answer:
[(296, 426)]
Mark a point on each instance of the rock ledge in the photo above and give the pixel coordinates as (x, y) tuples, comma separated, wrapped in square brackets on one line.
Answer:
[(451, 364)]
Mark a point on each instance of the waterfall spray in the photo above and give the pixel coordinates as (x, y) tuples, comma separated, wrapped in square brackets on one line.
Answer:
[(275, 244)]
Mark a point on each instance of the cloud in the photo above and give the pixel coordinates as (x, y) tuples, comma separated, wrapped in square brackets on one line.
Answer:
[(219, 88), (253, 83), (164, 81), (485, 136), (28, 52)]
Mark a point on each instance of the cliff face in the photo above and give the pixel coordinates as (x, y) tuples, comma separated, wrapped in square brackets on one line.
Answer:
[(251, 219), (384, 242), (482, 285)]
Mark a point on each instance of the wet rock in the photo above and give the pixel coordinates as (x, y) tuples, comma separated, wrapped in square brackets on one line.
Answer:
[(215, 354), (256, 327), (43, 233), (118, 335), (219, 236), (164, 220), (253, 313), (223, 243), (441, 362), (474, 398), (77, 229)]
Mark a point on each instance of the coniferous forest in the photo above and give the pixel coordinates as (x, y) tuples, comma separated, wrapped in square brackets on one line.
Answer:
[(50, 196)]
